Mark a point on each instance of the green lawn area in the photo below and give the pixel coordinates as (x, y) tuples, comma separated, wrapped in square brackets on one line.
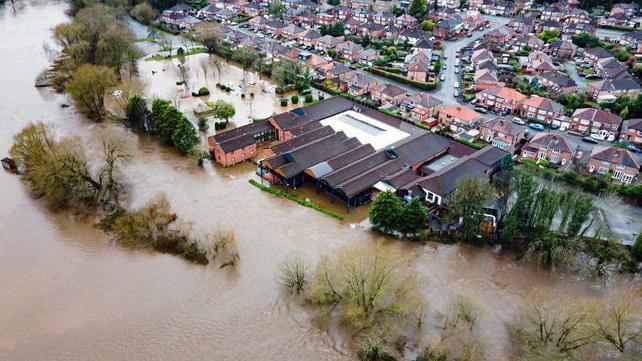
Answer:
[(145, 40), (191, 52)]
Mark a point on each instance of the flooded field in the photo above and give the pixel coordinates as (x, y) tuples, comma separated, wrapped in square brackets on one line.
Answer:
[(68, 293)]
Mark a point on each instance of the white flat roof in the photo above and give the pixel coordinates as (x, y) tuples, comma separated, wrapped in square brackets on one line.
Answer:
[(366, 129)]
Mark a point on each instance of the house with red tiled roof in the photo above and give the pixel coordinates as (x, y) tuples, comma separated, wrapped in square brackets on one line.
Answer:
[(501, 133), (617, 162), (596, 121), (459, 118), (541, 109), (551, 147), (500, 99)]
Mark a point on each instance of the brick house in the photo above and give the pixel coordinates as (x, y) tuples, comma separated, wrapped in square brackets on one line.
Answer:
[(541, 109), (500, 133), (551, 147), (500, 99), (459, 118), (632, 131), (387, 94), (421, 107), (239, 144), (557, 83), (619, 163), (609, 89), (596, 121)]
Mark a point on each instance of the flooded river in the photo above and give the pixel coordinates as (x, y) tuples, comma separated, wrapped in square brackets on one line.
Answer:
[(68, 293)]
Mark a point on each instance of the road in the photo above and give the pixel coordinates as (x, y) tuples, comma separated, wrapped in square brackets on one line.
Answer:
[(571, 70), (446, 88)]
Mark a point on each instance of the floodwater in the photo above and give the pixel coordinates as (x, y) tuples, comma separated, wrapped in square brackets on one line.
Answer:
[(68, 293)]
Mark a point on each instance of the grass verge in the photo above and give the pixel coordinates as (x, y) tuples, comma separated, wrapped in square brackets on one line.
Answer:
[(295, 198)]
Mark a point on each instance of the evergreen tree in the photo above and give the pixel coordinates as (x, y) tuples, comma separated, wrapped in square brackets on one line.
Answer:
[(137, 112), (185, 137), (386, 212), (158, 107), (636, 250), (418, 7), (167, 123), (414, 217)]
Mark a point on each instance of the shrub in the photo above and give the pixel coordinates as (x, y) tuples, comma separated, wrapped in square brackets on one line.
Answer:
[(309, 98), (201, 92), (284, 102), (295, 99), (321, 96), (243, 96)]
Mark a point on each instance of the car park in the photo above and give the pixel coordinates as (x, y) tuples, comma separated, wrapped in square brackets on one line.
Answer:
[(536, 126)]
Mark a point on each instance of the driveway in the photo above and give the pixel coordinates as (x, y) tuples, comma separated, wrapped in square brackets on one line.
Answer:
[(571, 70)]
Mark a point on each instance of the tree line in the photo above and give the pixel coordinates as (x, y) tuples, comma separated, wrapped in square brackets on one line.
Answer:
[(533, 220)]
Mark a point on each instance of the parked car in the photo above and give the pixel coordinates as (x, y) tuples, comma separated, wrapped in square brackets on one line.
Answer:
[(456, 84), (634, 149), (469, 35), (481, 110), (456, 93), (456, 70), (536, 126), (518, 120), (442, 77), (589, 140), (555, 126)]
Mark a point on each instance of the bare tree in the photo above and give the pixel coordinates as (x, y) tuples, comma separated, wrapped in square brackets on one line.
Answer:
[(619, 323)]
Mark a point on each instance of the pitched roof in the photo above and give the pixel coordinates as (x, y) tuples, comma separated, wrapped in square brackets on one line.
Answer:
[(614, 155), (544, 104), (462, 113), (240, 137), (551, 141), (321, 110), (505, 92), (501, 125), (597, 115)]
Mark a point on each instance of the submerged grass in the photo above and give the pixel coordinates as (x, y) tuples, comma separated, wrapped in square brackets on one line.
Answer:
[(295, 198)]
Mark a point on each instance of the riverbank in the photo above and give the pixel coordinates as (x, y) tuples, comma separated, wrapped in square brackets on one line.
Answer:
[(71, 294)]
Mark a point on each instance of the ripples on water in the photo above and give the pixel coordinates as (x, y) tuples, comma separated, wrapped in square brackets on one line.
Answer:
[(68, 293)]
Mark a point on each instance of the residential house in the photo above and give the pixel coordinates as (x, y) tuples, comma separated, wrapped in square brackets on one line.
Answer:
[(405, 21), (499, 36), (595, 55), (541, 109), (557, 82), (561, 49), (452, 4), (501, 133), (554, 148), (327, 42), (617, 162), (607, 90), (356, 84), (485, 79), (349, 50), (596, 121), (422, 107), (500, 99), (387, 94), (368, 57), (629, 9), (539, 62), (611, 68), (632, 39), (448, 28), (309, 38), (632, 131), (459, 118)]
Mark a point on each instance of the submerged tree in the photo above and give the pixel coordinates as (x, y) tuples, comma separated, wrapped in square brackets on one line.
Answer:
[(58, 171), (88, 87), (184, 136), (370, 288), (137, 113), (467, 205), (414, 217)]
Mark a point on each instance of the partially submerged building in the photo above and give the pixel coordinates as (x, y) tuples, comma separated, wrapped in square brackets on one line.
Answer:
[(351, 152)]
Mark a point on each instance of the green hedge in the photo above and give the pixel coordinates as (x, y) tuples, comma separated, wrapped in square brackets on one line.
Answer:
[(326, 89), (404, 80), (295, 198)]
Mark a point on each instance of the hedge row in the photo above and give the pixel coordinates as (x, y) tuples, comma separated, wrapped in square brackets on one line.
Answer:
[(404, 80), (295, 198), (326, 89)]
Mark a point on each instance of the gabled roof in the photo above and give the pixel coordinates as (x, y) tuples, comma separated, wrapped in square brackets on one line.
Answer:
[(462, 113), (544, 104), (597, 115), (551, 141), (558, 78), (505, 92), (614, 155), (501, 125)]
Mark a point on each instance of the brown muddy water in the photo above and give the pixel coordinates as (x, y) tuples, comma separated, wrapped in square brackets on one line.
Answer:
[(68, 293)]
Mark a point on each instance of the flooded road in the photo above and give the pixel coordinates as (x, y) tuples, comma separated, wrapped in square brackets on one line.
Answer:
[(68, 293)]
